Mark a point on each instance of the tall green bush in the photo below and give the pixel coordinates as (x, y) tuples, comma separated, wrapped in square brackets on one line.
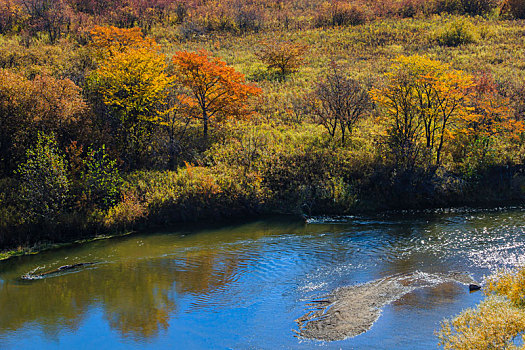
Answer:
[(44, 183), (100, 179)]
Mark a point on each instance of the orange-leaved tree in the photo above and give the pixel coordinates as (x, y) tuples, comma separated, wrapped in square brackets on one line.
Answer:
[(215, 90), (110, 40), (491, 121), (492, 114)]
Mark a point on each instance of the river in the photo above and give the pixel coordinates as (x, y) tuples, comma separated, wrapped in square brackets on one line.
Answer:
[(243, 285)]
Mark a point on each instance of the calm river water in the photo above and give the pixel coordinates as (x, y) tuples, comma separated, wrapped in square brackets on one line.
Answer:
[(242, 286)]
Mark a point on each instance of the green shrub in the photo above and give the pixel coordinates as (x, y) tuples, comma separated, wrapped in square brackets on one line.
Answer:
[(44, 183), (100, 179), (458, 32)]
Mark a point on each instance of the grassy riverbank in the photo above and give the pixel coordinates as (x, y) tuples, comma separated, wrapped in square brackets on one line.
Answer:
[(90, 146)]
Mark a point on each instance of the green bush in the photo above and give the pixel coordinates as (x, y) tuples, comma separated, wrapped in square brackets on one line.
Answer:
[(100, 179), (44, 183), (458, 32)]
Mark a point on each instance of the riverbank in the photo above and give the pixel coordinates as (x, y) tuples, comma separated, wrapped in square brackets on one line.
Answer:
[(100, 167), (158, 200), (45, 246), (144, 226)]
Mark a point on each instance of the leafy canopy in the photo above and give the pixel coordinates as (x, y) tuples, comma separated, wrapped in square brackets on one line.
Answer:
[(110, 40), (421, 102), (214, 89), (131, 78)]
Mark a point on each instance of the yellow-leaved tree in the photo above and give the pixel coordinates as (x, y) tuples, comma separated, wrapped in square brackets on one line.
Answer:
[(421, 101), (133, 83)]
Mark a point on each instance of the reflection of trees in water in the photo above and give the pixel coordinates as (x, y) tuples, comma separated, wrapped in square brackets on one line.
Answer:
[(137, 296)]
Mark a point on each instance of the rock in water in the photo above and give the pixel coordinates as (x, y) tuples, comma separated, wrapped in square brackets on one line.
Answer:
[(473, 287)]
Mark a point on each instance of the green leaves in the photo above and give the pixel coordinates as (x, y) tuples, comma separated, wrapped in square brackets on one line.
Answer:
[(101, 179), (44, 189)]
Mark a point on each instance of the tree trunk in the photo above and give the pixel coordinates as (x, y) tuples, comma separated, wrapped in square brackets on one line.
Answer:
[(205, 121)]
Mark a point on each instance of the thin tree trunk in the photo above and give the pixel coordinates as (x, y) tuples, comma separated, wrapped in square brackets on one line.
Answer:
[(205, 121)]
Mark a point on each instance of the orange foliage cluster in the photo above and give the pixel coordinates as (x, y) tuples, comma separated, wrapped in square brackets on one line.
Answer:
[(133, 81), (491, 113), (216, 90), (109, 40)]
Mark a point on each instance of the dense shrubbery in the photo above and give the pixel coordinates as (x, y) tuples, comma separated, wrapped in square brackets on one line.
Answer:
[(55, 20), (144, 130), (339, 13), (514, 8), (496, 323), (468, 7)]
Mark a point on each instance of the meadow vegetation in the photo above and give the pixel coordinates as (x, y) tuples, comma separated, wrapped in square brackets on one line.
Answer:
[(116, 115), (498, 322)]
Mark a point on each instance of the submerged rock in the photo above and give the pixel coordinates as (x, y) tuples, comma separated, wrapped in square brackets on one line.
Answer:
[(31, 276), (473, 287)]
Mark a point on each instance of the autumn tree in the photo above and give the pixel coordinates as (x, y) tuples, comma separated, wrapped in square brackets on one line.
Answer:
[(44, 104), (176, 122), (491, 120), (10, 15), (108, 41), (491, 112), (338, 102), (48, 16), (422, 100), (214, 89), (132, 82), (283, 57)]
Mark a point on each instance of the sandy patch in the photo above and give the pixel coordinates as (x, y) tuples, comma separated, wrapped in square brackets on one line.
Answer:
[(352, 310)]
